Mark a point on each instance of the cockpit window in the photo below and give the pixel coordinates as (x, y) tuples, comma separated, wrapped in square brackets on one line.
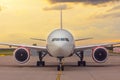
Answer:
[(60, 39)]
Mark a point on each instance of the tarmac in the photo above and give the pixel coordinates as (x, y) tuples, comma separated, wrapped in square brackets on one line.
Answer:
[(11, 70)]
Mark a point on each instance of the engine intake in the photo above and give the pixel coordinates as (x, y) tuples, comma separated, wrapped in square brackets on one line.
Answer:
[(22, 55), (100, 54)]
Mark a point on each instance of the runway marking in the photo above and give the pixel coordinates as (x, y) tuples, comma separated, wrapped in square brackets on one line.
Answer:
[(60, 72), (59, 75)]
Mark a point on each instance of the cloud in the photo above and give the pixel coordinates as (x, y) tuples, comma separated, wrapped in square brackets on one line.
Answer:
[(114, 8), (0, 8), (93, 2), (58, 7), (108, 15)]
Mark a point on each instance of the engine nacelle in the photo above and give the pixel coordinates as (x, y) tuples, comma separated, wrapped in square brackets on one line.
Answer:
[(22, 55), (100, 54)]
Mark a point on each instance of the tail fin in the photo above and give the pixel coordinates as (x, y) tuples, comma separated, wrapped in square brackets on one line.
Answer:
[(61, 24)]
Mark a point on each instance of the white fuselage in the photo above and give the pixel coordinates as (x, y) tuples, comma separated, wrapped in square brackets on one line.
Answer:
[(60, 43)]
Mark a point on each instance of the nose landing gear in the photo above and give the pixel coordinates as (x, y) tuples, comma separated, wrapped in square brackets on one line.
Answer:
[(60, 67)]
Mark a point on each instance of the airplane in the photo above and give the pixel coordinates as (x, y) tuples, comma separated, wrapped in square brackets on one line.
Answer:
[(60, 44)]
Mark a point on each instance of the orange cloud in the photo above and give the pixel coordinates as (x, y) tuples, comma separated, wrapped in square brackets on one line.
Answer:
[(116, 8), (57, 7)]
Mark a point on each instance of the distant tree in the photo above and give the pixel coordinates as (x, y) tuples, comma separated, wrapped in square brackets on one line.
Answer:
[(34, 44)]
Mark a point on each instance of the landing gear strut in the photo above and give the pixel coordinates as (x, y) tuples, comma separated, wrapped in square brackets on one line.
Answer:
[(41, 56), (81, 56), (60, 66)]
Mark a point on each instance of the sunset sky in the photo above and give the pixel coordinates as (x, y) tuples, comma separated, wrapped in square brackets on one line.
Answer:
[(22, 19)]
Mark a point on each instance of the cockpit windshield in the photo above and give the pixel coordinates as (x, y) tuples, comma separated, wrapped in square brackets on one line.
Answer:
[(60, 39)]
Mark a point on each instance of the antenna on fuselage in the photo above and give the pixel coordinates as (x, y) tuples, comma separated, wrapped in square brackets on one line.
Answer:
[(61, 24)]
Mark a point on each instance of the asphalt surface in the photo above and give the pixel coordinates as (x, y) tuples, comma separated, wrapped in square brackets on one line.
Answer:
[(11, 70)]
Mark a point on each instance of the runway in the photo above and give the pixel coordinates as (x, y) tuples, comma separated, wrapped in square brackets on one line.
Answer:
[(11, 70)]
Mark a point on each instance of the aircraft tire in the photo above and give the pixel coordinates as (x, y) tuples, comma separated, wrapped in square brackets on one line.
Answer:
[(41, 63), (81, 63)]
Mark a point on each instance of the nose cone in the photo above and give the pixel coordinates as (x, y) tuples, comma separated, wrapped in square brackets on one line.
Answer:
[(60, 49), (60, 43)]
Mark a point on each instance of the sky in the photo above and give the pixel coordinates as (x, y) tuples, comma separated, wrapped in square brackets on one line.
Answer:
[(21, 20)]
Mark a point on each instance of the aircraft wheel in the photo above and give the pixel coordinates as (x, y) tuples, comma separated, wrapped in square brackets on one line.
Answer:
[(81, 63), (60, 68), (41, 63)]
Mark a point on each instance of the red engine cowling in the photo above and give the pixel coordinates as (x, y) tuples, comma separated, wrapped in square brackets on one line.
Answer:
[(22, 55), (100, 54)]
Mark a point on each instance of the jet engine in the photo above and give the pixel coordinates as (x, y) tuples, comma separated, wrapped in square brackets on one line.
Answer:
[(22, 55), (99, 54)]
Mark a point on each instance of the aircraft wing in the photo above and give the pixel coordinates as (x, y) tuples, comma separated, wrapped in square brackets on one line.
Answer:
[(22, 45), (78, 48), (83, 39)]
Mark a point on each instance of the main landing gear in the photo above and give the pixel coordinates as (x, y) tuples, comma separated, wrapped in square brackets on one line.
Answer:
[(41, 63), (60, 67), (81, 56)]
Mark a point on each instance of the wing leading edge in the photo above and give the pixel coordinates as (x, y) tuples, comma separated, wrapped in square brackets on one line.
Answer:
[(78, 48), (81, 39), (22, 45)]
